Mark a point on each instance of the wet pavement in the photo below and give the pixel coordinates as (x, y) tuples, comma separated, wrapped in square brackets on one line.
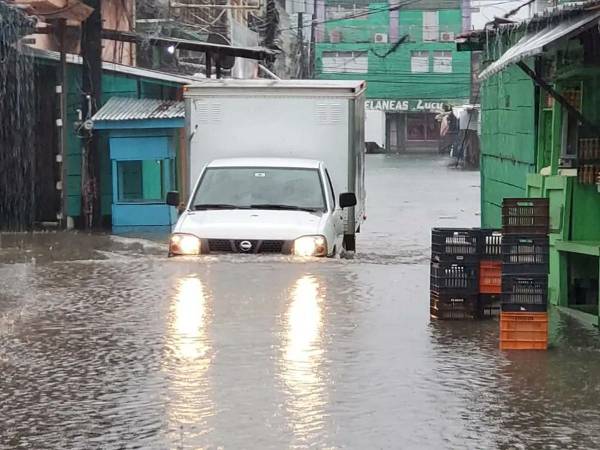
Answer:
[(106, 343)]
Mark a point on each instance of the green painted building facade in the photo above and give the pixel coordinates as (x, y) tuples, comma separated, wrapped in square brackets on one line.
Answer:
[(408, 57), (533, 146), (508, 136)]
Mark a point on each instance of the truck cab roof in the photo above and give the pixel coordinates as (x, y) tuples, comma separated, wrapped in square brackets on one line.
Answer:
[(294, 163)]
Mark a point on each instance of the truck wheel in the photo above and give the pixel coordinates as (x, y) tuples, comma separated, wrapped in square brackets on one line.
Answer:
[(349, 242)]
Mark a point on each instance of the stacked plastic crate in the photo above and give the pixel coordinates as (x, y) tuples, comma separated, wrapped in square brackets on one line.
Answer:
[(454, 286), (490, 271), (525, 255)]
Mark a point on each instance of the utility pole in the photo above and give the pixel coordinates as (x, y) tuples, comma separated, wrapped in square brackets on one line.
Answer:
[(313, 47), (91, 52), (301, 62), (63, 91), (272, 23)]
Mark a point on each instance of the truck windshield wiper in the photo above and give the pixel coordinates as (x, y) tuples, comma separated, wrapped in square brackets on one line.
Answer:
[(288, 207), (202, 206)]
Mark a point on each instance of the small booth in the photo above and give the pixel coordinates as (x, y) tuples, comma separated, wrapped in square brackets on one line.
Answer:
[(143, 137)]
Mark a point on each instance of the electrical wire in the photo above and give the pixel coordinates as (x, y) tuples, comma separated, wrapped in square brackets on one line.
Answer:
[(380, 10), (355, 16), (377, 11)]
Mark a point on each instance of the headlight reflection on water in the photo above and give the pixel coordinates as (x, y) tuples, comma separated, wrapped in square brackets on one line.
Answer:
[(190, 313), (190, 391), (303, 356), (303, 322)]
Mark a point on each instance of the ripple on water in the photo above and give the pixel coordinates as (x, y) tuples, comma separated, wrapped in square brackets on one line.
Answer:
[(113, 345)]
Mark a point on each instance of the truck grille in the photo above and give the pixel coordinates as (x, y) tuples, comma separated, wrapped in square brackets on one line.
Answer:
[(248, 246), (219, 245)]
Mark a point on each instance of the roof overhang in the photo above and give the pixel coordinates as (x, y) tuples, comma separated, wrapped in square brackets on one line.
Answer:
[(535, 43), (258, 53), (234, 87), (73, 10), (51, 55)]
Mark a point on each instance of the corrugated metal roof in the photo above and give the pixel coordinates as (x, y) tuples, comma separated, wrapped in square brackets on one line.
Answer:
[(535, 43), (120, 108), (548, 17)]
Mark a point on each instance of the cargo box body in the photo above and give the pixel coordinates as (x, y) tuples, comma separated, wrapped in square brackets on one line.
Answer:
[(319, 120)]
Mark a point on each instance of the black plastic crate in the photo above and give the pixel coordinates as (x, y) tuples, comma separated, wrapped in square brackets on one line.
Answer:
[(525, 254), (458, 245), (528, 292), (525, 216), (490, 244), (452, 277), (489, 305), (453, 307)]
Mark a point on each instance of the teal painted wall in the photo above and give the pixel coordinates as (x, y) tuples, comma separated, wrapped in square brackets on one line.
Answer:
[(390, 77), (113, 84)]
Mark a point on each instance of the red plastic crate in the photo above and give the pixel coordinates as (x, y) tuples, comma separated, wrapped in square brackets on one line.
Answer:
[(490, 277), (523, 331)]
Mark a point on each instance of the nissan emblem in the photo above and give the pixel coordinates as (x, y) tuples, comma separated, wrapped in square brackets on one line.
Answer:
[(245, 246)]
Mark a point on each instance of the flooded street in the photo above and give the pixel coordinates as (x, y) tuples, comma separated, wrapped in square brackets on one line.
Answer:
[(106, 343)]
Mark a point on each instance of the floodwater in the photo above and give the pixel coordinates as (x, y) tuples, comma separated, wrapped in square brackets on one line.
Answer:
[(106, 343)]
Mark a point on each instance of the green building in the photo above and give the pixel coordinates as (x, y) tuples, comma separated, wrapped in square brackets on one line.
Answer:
[(540, 123), (406, 52)]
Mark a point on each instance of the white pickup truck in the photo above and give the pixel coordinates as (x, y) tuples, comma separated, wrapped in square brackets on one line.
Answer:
[(276, 167)]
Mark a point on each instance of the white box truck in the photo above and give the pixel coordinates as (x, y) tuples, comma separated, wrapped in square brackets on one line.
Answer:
[(274, 166)]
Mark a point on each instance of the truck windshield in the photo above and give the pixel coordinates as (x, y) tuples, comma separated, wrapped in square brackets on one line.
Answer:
[(260, 188)]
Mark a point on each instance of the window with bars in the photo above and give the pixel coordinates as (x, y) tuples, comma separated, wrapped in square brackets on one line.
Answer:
[(345, 62), (419, 61), (442, 61), (356, 12), (431, 26), (140, 181)]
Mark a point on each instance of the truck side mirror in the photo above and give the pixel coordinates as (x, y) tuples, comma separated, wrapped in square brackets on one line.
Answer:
[(347, 199), (172, 198)]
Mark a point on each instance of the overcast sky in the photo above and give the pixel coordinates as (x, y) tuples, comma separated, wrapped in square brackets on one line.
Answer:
[(488, 9)]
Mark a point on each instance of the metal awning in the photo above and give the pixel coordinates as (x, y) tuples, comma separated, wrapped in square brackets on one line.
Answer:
[(124, 108), (123, 112), (536, 42)]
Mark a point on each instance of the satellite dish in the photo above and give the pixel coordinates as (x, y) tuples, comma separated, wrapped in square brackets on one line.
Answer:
[(226, 62)]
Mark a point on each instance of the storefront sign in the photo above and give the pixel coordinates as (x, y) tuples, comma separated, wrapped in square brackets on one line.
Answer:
[(404, 105)]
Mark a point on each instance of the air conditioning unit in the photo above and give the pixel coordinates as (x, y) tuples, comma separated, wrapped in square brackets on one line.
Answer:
[(380, 38), (335, 36), (447, 36)]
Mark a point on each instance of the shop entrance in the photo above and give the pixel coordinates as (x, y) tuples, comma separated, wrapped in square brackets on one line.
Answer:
[(412, 132)]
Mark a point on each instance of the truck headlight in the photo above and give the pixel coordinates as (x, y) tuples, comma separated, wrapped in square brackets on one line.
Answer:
[(310, 246), (184, 244)]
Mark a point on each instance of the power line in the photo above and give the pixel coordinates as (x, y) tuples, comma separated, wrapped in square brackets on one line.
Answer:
[(394, 82), (384, 9), (415, 78), (363, 14)]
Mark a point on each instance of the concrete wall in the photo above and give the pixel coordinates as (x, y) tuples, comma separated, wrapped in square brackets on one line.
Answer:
[(116, 15)]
